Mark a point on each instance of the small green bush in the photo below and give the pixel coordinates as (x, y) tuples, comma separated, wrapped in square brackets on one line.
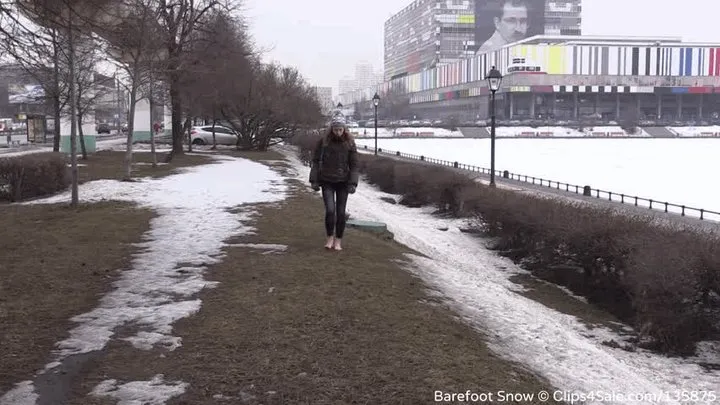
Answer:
[(32, 175)]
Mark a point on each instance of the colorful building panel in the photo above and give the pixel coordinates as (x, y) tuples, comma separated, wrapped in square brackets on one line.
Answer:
[(613, 59)]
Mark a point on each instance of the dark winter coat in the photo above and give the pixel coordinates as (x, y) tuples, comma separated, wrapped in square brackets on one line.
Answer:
[(334, 161)]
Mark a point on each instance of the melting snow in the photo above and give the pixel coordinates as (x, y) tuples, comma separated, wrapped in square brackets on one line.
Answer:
[(153, 392), (194, 219), (269, 248), (22, 394), (558, 346)]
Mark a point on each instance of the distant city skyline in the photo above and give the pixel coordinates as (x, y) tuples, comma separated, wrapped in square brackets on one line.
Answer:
[(325, 46)]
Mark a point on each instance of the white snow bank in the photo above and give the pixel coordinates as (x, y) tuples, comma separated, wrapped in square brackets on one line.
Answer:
[(187, 235), (691, 132), (541, 131), (409, 132), (14, 152), (556, 345)]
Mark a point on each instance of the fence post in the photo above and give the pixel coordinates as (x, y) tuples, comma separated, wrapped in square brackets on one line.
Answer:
[(506, 174), (397, 153), (587, 191), (422, 157), (455, 164)]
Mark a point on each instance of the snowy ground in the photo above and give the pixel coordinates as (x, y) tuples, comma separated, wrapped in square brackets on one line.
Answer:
[(689, 132), (188, 235), (557, 346), (109, 144), (405, 131), (537, 132)]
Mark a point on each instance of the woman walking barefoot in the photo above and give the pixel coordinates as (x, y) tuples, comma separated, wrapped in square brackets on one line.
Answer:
[(334, 170)]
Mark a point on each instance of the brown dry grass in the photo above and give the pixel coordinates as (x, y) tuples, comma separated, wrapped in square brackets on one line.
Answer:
[(110, 165), (314, 327), (56, 263)]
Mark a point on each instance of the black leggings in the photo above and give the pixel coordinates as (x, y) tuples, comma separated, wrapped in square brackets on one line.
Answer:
[(335, 197)]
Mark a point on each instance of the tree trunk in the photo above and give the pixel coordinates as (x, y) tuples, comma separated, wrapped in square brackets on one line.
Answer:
[(57, 118), (131, 130), (187, 129), (178, 131), (152, 125), (73, 119), (56, 96), (213, 132), (82, 136)]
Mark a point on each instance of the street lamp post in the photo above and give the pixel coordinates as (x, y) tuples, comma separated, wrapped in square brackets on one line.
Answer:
[(494, 79), (376, 101)]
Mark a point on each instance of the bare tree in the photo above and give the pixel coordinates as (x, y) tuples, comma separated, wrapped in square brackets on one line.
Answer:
[(69, 19), (155, 93), (220, 51), (396, 104), (136, 45), (39, 52), (180, 19), (89, 90), (270, 105)]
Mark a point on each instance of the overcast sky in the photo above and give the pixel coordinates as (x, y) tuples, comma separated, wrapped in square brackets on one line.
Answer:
[(325, 38)]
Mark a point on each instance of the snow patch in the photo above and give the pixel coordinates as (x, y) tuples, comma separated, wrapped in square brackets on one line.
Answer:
[(153, 392), (269, 248), (149, 163), (22, 394)]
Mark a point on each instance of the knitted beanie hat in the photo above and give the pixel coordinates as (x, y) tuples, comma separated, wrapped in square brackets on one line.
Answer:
[(338, 120)]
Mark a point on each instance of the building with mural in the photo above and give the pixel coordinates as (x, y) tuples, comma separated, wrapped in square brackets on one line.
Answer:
[(431, 33), (568, 78)]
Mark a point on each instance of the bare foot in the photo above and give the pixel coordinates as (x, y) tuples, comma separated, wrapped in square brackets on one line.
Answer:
[(337, 245), (330, 242)]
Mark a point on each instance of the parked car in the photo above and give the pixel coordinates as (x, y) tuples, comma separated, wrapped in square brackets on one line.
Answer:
[(204, 135), (103, 129)]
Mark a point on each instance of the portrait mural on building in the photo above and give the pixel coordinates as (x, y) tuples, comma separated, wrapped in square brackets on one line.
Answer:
[(500, 22)]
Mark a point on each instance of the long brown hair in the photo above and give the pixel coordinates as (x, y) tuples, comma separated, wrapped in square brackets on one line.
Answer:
[(346, 135)]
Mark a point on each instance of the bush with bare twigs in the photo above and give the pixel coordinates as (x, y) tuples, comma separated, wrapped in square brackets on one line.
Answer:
[(33, 175)]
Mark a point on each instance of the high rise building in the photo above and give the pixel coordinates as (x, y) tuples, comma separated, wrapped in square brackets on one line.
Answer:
[(428, 33), (325, 97), (365, 77), (347, 86), (364, 74)]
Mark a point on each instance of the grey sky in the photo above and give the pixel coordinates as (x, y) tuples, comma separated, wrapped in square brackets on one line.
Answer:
[(325, 38)]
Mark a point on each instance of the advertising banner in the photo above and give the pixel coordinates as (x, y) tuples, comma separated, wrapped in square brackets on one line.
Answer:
[(25, 94), (500, 22)]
